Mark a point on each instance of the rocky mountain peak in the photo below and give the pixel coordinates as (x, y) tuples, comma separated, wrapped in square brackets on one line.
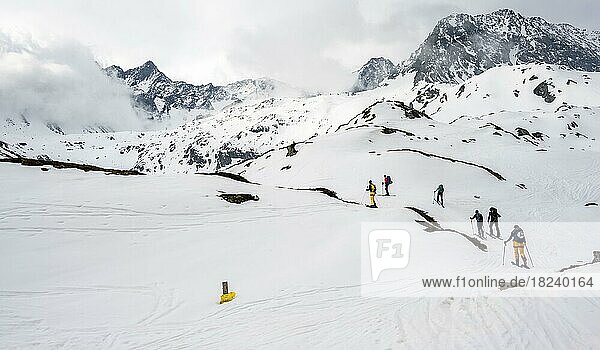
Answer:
[(461, 46), (115, 72), (375, 71), (147, 71), (149, 65), (156, 94)]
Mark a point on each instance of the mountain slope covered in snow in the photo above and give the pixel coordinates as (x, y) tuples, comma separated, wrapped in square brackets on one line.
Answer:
[(250, 128), (512, 147)]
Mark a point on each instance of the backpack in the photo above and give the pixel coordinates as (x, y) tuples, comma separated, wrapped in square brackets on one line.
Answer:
[(389, 180), (519, 236), (494, 214), (372, 188)]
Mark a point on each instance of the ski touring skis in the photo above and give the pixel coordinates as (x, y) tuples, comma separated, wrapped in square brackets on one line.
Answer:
[(521, 266), (494, 237)]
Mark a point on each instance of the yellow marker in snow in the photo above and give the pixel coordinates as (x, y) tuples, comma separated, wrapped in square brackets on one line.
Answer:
[(227, 295)]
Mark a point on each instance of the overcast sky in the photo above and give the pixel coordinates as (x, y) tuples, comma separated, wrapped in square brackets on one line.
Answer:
[(308, 43)]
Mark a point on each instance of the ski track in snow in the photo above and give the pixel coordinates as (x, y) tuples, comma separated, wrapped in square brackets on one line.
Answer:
[(331, 315)]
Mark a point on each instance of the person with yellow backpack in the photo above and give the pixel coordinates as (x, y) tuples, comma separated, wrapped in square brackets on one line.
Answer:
[(372, 191), (518, 237)]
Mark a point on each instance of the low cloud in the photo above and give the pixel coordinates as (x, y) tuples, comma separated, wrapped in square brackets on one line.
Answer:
[(59, 82), (311, 43)]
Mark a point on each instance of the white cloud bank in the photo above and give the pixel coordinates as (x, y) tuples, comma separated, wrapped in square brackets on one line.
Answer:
[(59, 82)]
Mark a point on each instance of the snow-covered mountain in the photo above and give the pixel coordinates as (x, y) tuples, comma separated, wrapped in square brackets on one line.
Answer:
[(251, 117), (244, 131), (461, 46), (250, 128), (375, 71), (157, 94)]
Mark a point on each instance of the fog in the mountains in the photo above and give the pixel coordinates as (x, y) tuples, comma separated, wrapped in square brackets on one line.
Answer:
[(59, 82), (310, 44)]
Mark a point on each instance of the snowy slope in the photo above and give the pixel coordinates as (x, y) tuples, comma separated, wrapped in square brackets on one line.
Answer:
[(250, 128), (133, 268), (527, 88), (385, 139), (35, 140)]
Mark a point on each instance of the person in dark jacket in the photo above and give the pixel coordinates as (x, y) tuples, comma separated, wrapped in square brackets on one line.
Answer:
[(439, 195), (518, 237), (479, 218), (387, 181), (492, 219)]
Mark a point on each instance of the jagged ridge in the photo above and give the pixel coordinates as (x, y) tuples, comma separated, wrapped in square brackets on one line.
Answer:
[(157, 94), (461, 46)]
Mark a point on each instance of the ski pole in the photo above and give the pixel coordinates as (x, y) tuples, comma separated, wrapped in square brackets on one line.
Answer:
[(362, 198), (472, 229), (504, 253), (433, 199), (527, 249)]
